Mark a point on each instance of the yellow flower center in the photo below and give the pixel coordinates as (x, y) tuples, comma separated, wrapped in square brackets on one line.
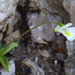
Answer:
[(68, 34)]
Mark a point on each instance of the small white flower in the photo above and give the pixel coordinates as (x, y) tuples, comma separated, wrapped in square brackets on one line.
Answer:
[(66, 30)]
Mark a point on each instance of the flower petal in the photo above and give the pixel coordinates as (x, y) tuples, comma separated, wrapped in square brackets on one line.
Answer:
[(71, 30), (64, 33), (67, 25), (57, 29), (67, 31)]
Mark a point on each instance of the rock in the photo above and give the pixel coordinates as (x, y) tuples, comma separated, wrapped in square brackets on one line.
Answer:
[(57, 8), (70, 45), (36, 59), (61, 48), (12, 37), (13, 20), (69, 6), (40, 4), (44, 31), (69, 65), (36, 70), (11, 69), (49, 12), (60, 56), (7, 8), (44, 53), (1, 36), (22, 2), (52, 7)]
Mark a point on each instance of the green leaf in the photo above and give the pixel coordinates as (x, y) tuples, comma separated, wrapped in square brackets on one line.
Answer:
[(61, 24), (6, 49), (4, 62), (1, 45)]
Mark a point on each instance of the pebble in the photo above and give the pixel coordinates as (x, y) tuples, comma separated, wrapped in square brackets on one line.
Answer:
[(44, 53)]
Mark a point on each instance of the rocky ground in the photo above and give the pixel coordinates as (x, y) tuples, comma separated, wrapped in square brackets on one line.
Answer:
[(34, 58), (40, 52)]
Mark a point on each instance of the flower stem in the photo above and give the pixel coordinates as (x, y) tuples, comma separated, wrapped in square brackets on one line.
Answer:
[(27, 32)]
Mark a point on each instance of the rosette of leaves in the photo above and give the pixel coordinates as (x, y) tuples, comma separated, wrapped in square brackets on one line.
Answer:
[(4, 50)]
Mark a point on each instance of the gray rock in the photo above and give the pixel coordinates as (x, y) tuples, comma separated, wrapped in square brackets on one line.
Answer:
[(40, 4), (1, 36), (12, 36), (11, 69), (69, 65), (49, 13), (69, 6), (60, 56), (36, 70), (44, 31), (7, 8), (70, 45), (57, 8), (44, 53)]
